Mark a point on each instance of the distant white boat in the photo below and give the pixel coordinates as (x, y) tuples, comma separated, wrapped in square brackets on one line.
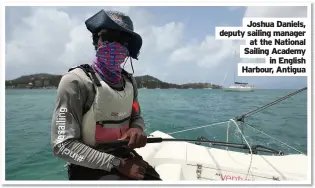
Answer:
[(239, 87)]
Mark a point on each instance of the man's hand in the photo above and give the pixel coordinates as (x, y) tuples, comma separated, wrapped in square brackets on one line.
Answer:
[(137, 138), (133, 168)]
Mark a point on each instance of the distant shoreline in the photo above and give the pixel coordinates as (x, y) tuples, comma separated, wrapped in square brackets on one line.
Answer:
[(45, 81), (16, 88)]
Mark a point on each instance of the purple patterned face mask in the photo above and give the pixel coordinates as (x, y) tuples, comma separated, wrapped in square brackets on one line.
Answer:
[(109, 57)]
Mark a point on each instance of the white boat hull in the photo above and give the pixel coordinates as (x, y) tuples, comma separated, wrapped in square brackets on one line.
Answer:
[(246, 89), (188, 161), (239, 90)]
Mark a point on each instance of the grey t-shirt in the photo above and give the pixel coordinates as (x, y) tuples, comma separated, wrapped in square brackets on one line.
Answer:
[(76, 93)]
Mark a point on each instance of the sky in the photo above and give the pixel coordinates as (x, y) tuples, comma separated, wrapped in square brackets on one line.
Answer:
[(179, 44)]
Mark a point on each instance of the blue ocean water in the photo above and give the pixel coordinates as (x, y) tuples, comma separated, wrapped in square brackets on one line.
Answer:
[(29, 112)]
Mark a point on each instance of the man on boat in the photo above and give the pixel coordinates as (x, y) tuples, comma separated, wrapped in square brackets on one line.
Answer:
[(97, 104)]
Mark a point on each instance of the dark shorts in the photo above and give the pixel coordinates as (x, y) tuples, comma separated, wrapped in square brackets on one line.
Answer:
[(76, 172)]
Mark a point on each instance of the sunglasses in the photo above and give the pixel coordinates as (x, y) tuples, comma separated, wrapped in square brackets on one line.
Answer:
[(108, 35)]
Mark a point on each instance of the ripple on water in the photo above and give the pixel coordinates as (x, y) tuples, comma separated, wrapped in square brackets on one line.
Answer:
[(29, 113)]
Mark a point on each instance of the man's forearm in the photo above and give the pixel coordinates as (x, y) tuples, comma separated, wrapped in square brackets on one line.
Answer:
[(78, 153)]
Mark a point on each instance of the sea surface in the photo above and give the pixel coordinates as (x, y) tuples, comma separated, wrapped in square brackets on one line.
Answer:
[(28, 119)]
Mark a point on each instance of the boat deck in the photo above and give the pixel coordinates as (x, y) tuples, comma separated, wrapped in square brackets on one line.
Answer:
[(188, 161)]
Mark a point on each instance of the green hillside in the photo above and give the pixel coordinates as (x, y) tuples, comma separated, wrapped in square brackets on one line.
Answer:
[(51, 81)]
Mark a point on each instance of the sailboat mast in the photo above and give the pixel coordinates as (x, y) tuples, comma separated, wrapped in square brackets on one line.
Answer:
[(236, 66), (234, 75)]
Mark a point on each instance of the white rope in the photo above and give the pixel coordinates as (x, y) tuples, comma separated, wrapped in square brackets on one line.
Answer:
[(185, 130), (262, 132), (197, 127), (250, 149), (227, 134)]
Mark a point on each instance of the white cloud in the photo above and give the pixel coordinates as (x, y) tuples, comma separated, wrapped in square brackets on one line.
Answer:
[(168, 36), (39, 41), (53, 39), (207, 54), (276, 11)]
